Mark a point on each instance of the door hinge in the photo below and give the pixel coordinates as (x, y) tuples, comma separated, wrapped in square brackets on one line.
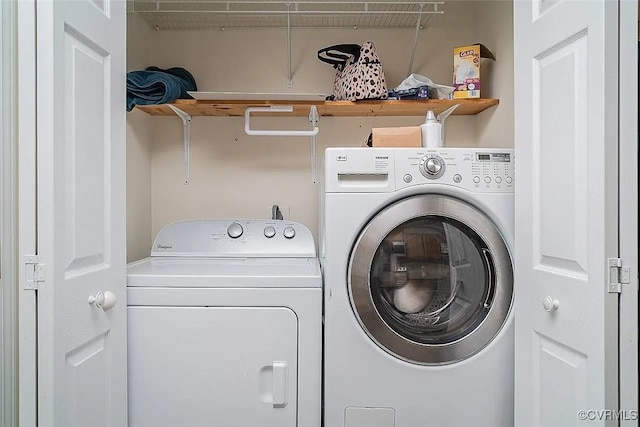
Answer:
[(618, 275), (34, 272)]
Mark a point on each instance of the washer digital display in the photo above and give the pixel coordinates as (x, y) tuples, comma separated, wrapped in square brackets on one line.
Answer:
[(493, 157)]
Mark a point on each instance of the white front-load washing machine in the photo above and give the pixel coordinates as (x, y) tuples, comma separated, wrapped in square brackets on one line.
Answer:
[(416, 256), (225, 327)]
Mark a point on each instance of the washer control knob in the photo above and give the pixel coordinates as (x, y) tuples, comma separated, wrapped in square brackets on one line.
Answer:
[(234, 230), (509, 180), (269, 232), (289, 232), (476, 179), (457, 178), (407, 178), (433, 166), (487, 179), (498, 179)]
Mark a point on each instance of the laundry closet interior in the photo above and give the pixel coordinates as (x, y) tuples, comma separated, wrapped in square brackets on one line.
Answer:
[(102, 310), (234, 175)]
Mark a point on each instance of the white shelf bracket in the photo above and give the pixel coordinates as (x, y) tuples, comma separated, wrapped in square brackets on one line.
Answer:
[(289, 77), (186, 139), (314, 117), (415, 38)]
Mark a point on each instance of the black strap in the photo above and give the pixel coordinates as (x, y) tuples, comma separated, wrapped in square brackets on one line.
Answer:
[(339, 54)]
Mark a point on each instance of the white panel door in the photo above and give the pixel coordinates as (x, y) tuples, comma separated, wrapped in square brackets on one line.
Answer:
[(566, 211), (213, 366), (81, 212)]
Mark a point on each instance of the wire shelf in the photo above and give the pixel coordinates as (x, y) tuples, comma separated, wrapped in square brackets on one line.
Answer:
[(219, 14)]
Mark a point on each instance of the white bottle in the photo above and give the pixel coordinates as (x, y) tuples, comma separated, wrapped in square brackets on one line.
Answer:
[(431, 131)]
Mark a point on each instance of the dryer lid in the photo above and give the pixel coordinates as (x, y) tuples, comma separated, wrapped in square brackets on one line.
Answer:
[(240, 238), (225, 272)]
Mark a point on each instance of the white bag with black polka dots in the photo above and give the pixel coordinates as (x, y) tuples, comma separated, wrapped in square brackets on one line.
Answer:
[(359, 72)]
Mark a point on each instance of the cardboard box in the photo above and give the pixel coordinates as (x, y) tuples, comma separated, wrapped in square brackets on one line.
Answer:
[(466, 70), (407, 136)]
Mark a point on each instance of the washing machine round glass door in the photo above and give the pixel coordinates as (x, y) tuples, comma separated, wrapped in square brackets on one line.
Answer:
[(431, 280)]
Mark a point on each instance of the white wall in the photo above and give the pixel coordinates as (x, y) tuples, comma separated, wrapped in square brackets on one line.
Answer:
[(235, 175), (494, 127), (139, 144)]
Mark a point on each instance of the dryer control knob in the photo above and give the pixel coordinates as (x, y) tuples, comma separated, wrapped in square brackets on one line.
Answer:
[(289, 232), (234, 230)]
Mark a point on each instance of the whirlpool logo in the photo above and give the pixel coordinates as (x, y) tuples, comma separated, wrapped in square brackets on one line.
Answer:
[(164, 246)]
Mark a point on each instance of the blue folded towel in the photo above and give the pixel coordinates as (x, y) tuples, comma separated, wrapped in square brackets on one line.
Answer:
[(157, 86)]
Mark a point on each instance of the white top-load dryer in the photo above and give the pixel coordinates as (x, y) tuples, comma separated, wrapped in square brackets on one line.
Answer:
[(225, 327)]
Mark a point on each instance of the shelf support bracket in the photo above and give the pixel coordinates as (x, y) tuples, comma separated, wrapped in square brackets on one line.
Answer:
[(415, 38), (186, 139), (289, 77)]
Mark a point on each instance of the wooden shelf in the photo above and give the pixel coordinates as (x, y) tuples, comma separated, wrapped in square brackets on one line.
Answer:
[(325, 108)]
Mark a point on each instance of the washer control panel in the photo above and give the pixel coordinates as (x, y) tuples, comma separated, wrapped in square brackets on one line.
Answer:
[(382, 169), (484, 170), (234, 238)]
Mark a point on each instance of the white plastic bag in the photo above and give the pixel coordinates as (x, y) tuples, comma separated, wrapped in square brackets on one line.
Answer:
[(417, 80)]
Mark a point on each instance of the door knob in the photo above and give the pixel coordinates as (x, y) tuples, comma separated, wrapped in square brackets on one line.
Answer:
[(549, 304), (104, 300)]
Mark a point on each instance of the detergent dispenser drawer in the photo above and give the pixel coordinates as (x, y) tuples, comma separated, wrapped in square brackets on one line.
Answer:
[(226, 366)]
